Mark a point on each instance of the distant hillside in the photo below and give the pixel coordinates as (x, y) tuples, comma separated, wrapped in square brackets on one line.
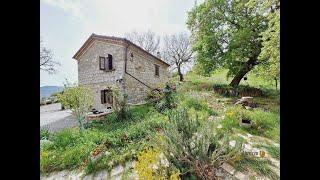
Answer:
[(46, 91)]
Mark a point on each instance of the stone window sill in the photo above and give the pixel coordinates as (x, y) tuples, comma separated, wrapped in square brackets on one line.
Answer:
[(110, 70)]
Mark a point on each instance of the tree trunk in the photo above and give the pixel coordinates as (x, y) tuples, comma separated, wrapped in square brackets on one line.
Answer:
[(181, 77), (245, 69), (180, 74)]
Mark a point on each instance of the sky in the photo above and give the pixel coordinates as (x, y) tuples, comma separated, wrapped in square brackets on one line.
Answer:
[(66, 24)]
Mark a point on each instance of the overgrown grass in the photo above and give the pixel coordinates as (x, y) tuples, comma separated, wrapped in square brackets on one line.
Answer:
[(123, 140), (44, 134), (260, 166), (264, 123), (273, 150)]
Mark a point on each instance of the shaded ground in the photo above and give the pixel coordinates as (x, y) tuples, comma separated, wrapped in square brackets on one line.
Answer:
[(55, 119)]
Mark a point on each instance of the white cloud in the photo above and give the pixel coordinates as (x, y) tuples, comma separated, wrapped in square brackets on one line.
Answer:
[(69, 6)]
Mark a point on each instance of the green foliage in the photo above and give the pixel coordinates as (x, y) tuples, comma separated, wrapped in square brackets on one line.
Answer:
[(273, 150), (79, 100), (263, 123), (261, 167), (120, 106), (122, 139), (163, 100), (237, 35), (151, 158), (225, 33), (192, 144), (270, 50), (44, 134)]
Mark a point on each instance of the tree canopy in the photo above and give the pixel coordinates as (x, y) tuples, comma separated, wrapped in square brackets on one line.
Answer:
[(232, 34)]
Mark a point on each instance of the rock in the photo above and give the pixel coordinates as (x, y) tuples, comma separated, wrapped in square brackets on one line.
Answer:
[(245, 101), (262, 178), (244, 137), (129, 164), (227, 167), (247, 147), (88, 177), (107, 153), (219, 126), (75, 175), (241, 176), (118, 177), (249, 135), (211, 118), (232, 143), (274, 162), (219, 173), (248, 107), (44, 141), (102, 175), (117, 170)]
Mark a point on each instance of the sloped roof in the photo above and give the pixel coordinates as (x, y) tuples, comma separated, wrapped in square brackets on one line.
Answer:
[(124, 40)]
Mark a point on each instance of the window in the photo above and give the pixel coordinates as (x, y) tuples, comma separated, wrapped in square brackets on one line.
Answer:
[(106, 96), (156, 72), (106, 63), (102, 63), (131, 56)]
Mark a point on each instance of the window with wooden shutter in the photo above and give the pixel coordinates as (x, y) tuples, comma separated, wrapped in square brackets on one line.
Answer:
[(110, 63), (102, 62), (109, 97), (103, 97), (156, 72), (106, 96)]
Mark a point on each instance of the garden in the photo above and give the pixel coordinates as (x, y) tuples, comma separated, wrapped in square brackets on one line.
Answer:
[(221, 120), (189, 127)]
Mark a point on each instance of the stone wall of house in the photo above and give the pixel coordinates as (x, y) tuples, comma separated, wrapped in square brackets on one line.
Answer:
[(90, 75), (142, 66)]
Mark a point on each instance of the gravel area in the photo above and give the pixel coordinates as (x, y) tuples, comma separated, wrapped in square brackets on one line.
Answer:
[(55, 119)]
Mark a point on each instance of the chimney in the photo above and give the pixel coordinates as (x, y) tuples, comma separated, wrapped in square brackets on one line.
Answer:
[(158, 55)]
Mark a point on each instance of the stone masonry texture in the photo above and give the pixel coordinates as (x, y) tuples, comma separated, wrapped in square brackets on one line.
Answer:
[(141, 66)]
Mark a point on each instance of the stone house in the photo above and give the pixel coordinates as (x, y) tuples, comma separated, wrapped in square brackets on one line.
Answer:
[(107, 62)]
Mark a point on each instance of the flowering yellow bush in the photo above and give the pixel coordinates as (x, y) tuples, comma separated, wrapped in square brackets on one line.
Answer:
[(153, 165)]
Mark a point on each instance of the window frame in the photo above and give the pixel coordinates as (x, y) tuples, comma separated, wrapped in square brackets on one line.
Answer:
[(106, 96), (101, 58), (156, 70)]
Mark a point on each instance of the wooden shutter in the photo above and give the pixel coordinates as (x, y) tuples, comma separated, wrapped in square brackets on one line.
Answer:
[(110, 64), (103, 97), (110, 97), (102, 63), (156, 70)]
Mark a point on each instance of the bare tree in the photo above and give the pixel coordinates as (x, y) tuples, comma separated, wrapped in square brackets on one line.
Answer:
[(177, 50), (46, 60), (148, 40)]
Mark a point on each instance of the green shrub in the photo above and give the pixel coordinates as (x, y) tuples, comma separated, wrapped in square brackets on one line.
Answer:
[(44, 134), (121, 107), (192, 145), (163, 100)]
